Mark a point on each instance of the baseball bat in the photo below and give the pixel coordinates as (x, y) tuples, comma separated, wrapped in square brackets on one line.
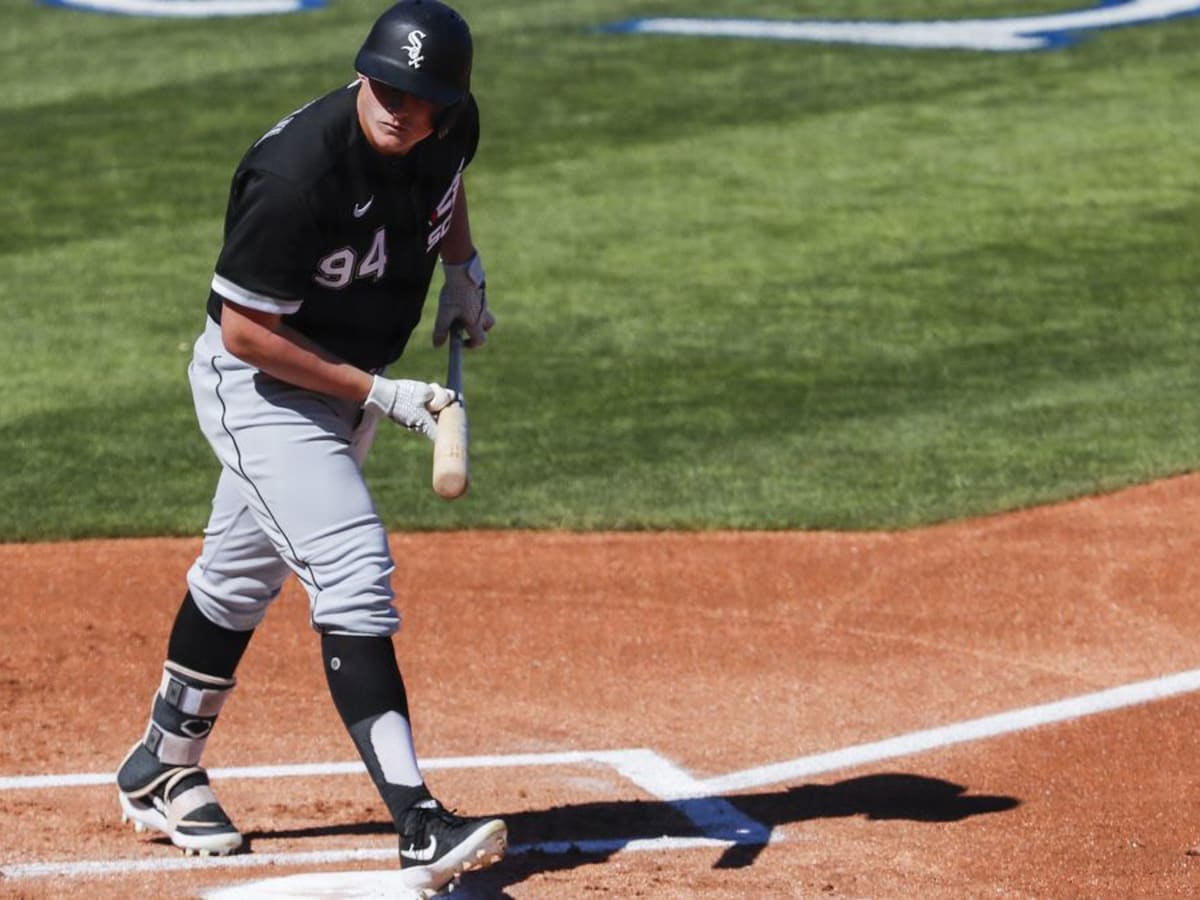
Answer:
[(450, 470)]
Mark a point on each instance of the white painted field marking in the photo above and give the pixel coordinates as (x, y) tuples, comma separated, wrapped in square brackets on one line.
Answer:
[(308, 770), (178, 862), (719, 822), (1009, 34), (962, 732)]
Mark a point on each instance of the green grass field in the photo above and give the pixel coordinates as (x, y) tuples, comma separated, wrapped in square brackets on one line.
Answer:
[(739, 283)]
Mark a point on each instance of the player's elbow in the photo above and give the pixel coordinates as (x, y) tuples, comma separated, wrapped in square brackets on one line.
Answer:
[(238, 340), (246, 333)]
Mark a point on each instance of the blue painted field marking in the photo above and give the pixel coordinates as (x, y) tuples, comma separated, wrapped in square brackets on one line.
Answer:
[(189, 9), (1011, 34)]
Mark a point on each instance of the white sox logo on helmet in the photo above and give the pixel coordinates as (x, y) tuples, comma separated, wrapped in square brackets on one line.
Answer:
[(414, 48), (1012, 33)]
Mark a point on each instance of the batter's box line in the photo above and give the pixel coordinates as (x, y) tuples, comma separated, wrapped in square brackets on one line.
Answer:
[(719, 822), (716, 820), (666, 781), (114, 868)]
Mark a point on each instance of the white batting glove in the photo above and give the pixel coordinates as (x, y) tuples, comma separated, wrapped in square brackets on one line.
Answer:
[(412, 404), (463, 301)]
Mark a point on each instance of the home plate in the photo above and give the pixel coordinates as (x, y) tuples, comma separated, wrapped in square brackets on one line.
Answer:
[(318, 885)]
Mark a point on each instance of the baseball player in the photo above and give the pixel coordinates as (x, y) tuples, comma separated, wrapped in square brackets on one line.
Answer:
[(336, 220)]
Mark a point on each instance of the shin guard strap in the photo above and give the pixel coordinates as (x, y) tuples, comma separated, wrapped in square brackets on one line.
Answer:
[(174, 749), (194, 693), (185, 710)]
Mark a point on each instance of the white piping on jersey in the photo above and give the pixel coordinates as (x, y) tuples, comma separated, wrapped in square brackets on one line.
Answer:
[(251, 299)]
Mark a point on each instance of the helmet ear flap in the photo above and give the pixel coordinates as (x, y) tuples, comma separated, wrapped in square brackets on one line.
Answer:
[(447, 118)]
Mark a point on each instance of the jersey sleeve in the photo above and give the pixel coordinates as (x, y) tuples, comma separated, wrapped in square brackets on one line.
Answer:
[(269, 245)]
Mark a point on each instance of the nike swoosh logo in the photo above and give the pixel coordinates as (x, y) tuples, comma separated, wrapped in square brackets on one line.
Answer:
[(423, 855), (360, 211)]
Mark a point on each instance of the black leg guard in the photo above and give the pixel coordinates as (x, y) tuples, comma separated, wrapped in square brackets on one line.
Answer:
[(364, 681)]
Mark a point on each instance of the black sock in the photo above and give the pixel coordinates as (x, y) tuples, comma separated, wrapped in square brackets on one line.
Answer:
[(365, 684), (203, 646)]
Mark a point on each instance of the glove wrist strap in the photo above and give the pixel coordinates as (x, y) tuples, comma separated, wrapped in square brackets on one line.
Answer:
[(378, 396), (472, 269)]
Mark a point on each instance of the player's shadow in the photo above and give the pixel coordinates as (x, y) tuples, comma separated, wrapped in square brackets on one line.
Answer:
[(565, 837)]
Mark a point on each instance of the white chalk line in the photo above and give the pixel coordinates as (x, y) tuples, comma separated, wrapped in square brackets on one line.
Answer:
[(973, 730), (179, 862), (717, 819), (308, 770)]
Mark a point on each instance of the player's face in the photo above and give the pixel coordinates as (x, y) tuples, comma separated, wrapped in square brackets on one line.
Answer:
[(393, 121)]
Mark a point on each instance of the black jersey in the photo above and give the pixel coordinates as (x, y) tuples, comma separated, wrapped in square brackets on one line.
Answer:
[(340, 240)]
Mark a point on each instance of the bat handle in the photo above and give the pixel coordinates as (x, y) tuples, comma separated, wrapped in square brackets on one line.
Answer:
[(454, 371)]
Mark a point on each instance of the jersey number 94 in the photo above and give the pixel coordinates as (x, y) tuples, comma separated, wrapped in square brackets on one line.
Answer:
[(341, 267)]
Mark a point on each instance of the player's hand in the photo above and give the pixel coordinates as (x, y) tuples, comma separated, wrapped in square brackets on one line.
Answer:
[(463, 301), (413, 404)]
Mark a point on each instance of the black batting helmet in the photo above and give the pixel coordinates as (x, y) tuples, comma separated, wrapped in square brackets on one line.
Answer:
[(424, 48)]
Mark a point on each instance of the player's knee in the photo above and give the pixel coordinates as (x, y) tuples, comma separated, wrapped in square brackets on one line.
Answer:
[(238, 604), (365, 612), (351, 589)]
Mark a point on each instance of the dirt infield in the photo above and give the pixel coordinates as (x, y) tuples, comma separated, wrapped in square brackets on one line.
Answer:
[(667, 715)]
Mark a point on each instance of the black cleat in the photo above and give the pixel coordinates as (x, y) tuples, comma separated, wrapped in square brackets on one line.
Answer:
[(436, 846)]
